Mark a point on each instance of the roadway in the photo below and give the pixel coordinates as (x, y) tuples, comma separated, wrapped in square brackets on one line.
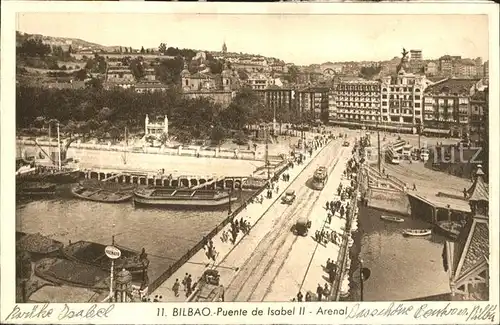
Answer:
[(262, 257)]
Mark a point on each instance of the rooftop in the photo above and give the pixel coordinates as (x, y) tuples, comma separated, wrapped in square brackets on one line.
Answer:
[(452, 86)]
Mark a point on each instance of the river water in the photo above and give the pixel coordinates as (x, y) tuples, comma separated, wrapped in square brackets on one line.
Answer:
[(165, 234), (402, 268)]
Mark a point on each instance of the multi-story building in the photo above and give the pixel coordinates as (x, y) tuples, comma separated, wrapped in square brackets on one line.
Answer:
[(447, 106), (313, 102), (431, 69), (467, 70), (357, 102), (486, 70), (282, 101), (447, 64), (258, 81), (332, 105), (477, 112), (416, 55), (401, 101)]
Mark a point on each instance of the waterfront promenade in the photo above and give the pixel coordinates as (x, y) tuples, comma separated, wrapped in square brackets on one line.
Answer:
[(253, 213)]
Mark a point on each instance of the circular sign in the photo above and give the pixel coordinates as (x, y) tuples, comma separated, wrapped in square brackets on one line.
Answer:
[(112, 252)]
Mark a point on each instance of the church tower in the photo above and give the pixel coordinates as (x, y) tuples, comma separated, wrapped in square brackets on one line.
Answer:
[(224, 47), (226, 78), (185, 77)]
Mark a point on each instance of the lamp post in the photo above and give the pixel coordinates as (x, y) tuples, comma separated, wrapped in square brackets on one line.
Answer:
[(361, 280)]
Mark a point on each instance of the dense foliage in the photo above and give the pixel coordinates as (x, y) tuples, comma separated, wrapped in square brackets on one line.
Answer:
[(101, 113)]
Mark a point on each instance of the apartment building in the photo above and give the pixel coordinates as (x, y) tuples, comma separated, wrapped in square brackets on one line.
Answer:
[(357, 102)]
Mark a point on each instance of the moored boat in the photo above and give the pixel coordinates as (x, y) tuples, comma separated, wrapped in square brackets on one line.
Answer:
[(93, 253), (319, 178), (417, 232), (183, 198), (33, 189), (450, 229), (392, 219), (38, 246), (50, 176), (101, 194)]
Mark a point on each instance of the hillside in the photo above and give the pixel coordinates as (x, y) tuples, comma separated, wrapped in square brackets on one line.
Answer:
[(75, 43)]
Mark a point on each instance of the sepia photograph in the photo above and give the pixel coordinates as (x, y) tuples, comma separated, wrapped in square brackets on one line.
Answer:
[(230, 157)]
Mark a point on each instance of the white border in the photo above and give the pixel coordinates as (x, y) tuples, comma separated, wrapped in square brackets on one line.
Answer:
[(146, 313)]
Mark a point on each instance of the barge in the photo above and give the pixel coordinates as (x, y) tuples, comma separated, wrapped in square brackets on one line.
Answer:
[(183, 198)]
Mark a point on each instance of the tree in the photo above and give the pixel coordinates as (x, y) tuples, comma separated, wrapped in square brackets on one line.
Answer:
[(70, 50), (126, 50), (169, 71), (130, 49), (162, 48), (218, 134), (142, 50), (293, 74), (137, 68)]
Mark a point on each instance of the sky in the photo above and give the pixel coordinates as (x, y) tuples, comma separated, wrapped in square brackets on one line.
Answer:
[(300, 39)]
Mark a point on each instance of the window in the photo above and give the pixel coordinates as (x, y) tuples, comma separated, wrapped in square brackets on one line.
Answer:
[(417, 105), (417, 97)]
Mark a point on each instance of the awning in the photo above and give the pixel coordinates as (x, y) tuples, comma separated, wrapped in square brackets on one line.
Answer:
[(395, 128), (438, 131)]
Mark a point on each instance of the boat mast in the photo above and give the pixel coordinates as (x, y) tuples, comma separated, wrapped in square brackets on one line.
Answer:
[(59, 145)]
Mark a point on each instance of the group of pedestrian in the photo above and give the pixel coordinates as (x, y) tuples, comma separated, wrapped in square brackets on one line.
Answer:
[(323, 292), (285, 177), (187, 282)]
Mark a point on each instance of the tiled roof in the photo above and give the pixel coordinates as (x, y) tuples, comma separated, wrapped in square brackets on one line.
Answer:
[(452, 86), (479, 190), (477, 249)]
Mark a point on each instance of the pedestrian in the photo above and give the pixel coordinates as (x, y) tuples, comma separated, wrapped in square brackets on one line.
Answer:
[(319, 292), (465, 193), (414, 187), (189, 281), (308, 296), (184, 282), (160, 298), (155, 299), (326, 290), (175, 287), (299, 296)]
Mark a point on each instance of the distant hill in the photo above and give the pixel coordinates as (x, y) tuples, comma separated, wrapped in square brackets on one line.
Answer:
[(75, 43)]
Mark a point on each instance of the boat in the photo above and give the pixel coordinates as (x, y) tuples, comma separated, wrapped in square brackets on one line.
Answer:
[(450, 229), (393, 219), (101, 194), (61, 271), (93, 254), (38, 246), (319, 178), (34, 189), (182, 198), (50, 175), (417, 232)]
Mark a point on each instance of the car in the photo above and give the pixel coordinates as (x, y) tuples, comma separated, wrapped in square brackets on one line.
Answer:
[(346, 144), (289, 197)]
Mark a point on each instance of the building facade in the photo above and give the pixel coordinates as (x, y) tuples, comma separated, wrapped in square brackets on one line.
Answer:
[(313, 102), (447, 106), (357, 102), (402, 101), (282, 101), (416, 55), (477, 112)]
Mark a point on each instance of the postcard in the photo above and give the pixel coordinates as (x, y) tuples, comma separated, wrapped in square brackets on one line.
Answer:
[(218, 163)]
